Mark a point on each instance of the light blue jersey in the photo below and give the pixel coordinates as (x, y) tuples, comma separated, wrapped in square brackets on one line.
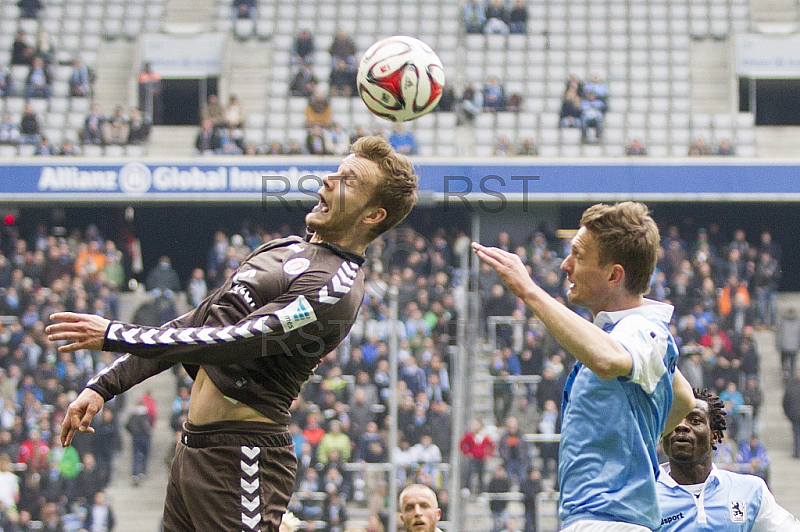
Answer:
[(727, 502), (607, 460)]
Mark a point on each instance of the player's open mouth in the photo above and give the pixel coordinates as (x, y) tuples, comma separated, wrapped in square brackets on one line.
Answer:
[(322, 206)]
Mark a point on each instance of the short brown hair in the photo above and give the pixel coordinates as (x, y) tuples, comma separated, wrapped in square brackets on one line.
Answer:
[(397, 193), (627, 235)]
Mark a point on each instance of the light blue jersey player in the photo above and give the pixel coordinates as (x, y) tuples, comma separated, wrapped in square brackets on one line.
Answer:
[(696, 496), (625, 388)]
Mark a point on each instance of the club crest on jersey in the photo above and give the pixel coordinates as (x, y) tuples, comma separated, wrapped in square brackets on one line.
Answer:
[(296, 266), (296, 314), (738, 511)]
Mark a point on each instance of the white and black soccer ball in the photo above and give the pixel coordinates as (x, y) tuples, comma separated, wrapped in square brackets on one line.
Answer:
[(400, 78)]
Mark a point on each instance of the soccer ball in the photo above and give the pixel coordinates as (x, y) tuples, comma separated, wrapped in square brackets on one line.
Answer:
[(400, 78)]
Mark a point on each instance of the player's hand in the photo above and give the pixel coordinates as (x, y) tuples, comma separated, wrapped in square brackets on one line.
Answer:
[(79, 415), (508, 266), (84, 331)]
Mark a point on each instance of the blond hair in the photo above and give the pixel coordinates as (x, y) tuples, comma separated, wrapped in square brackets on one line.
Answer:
[(397, 191), (627, 235)]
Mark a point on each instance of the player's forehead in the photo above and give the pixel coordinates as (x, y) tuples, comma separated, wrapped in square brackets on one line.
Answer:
[(583, 240), (359, 167), (701, 409), (418, 495)]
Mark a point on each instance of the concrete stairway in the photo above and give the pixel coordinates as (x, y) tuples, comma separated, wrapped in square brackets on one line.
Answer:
[(189, 14), (172, 141), (711, 77), (116, 76), (774, 16), (777, 141), (247, 74)]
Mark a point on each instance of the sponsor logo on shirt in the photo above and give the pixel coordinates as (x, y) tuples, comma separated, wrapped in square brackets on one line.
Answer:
[(296, 266), (244, 293), (671, 519), (738, 511), (296, 314)]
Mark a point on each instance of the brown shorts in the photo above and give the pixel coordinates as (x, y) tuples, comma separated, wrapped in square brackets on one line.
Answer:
[(230, 476)]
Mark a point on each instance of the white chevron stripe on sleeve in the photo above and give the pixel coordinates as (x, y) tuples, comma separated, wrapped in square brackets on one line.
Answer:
[(251, 522), (244, 330), (129, 336), (251, 505), (250, 487), (166, 337), (112, 331), (147, 336), (186, 335), (223, 335)]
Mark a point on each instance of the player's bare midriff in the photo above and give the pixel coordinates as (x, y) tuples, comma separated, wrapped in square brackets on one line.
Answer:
[(209, 405)]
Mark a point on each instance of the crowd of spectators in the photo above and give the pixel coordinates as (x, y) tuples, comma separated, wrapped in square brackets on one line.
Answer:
[(700, 148), (119, 128), (722, 291), (495, 16), (584, 106), (46, 486)]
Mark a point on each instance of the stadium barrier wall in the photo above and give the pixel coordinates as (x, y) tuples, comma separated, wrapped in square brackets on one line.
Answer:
[(442, 180)]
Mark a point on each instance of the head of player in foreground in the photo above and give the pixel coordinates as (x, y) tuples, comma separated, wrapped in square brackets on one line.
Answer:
[(419, 509), (612, 258), (373, 190)]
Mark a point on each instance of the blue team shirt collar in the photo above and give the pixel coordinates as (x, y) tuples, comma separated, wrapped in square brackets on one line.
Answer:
[(651, 309), (665, 478)]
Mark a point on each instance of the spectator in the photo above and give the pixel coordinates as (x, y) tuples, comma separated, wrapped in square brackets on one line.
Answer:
[(9, 131), (229, 142), (318, 111), (100, 517), (447, 101), (197, 289), (303, 48), (474, 16), (477, 447), (494, 97), (499, 484), (635, 147), (80, 79), (39, 80), (518, 18), (527, 148), (343, 47), (93, 126), (765, 283), (9, 484), (699, 148), (207, 141), (469, 105), (725, 148), (6, 82), (45, 48), (116, 128), (138, 127), (304, 82), (29, 8), (140, 427), (570, 109), (787, 340), (151, 100), (34, 452), (754, 456), (343, 79), (791, 407), (339, 140), (245, 9), (403, 141), (21, 51), (597, 86), (334, 440), (163, 279), (503, 147), (496, 18), (549, 425), (44, 147), (234, 113), (316, 142), (513, 451), (530, 488), (213, 111), (30, 130), (592, 111)]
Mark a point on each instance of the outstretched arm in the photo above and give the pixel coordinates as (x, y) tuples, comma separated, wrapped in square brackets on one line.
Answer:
[(683, 401), (596, 349)]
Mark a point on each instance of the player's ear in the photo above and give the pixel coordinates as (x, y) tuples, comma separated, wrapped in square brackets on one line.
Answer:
[(375, 216), (617, 274)]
